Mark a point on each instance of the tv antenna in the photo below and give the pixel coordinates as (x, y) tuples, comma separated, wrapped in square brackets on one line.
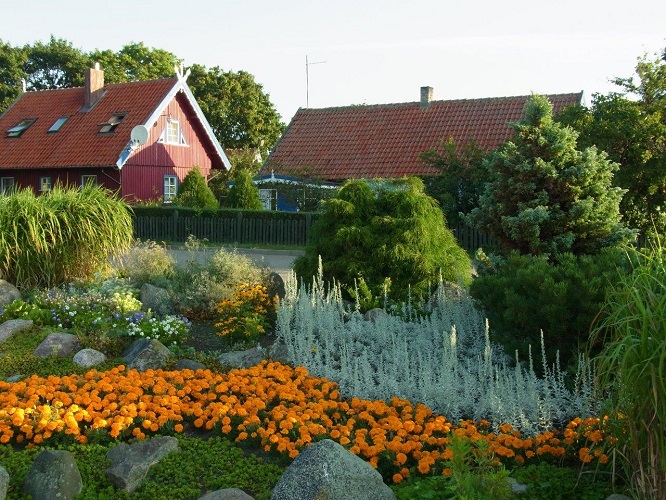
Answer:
[(307, 80)]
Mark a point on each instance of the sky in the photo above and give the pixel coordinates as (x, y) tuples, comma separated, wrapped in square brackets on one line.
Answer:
[(370, 51)]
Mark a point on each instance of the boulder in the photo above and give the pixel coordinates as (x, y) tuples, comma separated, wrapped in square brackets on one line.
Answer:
[(227, 494), (57, 344), (156, 299), (374, 314), (189, 364), (147, 354), (8, 293), (15, 378), (4, 483), (278, 352), (89, 357), (130, 463), (9, 328), (327, 470), (617, 496), (53, 474), (242, 359)]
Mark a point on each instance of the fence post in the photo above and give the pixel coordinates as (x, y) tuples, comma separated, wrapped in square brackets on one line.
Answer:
[(174, 227), (239, 223), (308, 223)]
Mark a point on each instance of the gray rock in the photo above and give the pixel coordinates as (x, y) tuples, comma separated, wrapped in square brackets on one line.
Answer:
[(13, 326), (278, 352), (89, 357), (147, 354), (8, 293), (189, 364), (130, 463), (516, 487), (227, 494), (242, 359), (327, 470), (53, 474), (374, 314), (617, 496), (15, 378), (156, 299), (4, 482), (57, 344)]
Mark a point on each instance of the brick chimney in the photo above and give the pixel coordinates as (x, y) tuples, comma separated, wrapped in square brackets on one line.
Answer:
[(426, 96), (94, 86)]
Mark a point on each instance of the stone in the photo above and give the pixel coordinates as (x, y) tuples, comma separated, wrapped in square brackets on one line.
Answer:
[(278, 352), (374, 314), (189, 364), (53, 474), (617, 496), (516, 487), (131, 463), (57, 344), (8, 293), (89, 357), (147, 354), (15, 378), (12, 327), (327, 470), (275, 286), (242, 359), (156, 299), (227, 494), (4, 483)]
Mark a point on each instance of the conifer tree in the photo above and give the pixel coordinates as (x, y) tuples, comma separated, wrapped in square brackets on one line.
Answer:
[(244, 193), (545, 196), (195, 193)]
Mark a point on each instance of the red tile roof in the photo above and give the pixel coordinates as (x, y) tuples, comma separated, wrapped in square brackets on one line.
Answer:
[(386, 140), (78, 143)]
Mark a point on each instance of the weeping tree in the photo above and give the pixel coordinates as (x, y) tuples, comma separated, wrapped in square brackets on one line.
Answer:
[(66, 234), (390, 235)]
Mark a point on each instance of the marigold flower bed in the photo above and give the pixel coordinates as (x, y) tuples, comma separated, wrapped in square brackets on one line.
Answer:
[(275, 406)]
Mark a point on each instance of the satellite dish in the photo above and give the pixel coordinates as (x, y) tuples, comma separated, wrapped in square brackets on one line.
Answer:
[(139, 135)]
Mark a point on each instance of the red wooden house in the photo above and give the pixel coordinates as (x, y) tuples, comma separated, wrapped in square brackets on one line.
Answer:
[(139, 139)]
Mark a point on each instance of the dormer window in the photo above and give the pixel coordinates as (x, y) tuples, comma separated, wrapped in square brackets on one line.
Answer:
[(109, 126), (22, 126), (58, 124), (172, 134)]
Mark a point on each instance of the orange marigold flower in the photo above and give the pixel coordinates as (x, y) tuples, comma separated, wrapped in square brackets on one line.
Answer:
[(397, 478)]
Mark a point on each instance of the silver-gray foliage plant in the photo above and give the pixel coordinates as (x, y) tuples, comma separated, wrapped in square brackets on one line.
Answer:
[(444, 360)]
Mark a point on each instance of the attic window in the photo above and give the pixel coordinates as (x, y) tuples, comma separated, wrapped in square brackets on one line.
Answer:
[(109, 126), (58, 124), (172, 134), (22, 126)]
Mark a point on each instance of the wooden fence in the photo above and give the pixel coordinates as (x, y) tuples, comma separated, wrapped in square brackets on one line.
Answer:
[(240, 229), (245, 229)]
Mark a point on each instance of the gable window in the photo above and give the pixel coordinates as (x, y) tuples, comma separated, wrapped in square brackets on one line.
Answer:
[(172, 134), (170, 188), (57, 125), (108, 127), (6, 185), (45, 184), (21, 127), (88, 180)]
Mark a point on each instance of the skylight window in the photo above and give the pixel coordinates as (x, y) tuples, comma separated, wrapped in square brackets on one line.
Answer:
[(22, 126), (58, 124), (109, 126)]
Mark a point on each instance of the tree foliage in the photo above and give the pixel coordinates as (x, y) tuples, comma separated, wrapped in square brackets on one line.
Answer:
[(544, 195), (630, 125), (390, 232), (244, 193), (461, 179), (193, 192), (239, 111)]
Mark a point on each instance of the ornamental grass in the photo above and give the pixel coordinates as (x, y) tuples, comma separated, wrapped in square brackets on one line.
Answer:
[(273, 406)]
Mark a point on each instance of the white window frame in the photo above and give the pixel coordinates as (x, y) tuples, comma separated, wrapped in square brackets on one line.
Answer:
[(45, 184), (170, 188), (88, 179), (172, 134), (268, 198), (6, 185)]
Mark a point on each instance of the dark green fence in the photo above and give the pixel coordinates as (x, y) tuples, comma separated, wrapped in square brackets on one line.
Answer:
[(255, 228), (241, 228)]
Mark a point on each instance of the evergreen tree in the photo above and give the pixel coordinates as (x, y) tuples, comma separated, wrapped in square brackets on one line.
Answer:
[(194, 193), (244, 193), (389, 234), (545, 196)]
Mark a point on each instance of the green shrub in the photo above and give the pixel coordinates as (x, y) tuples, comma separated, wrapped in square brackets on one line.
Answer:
[(147, 262), (244, 193), (194, 192), (61, 236), (632, 333), (524, 295), (393, 231)]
